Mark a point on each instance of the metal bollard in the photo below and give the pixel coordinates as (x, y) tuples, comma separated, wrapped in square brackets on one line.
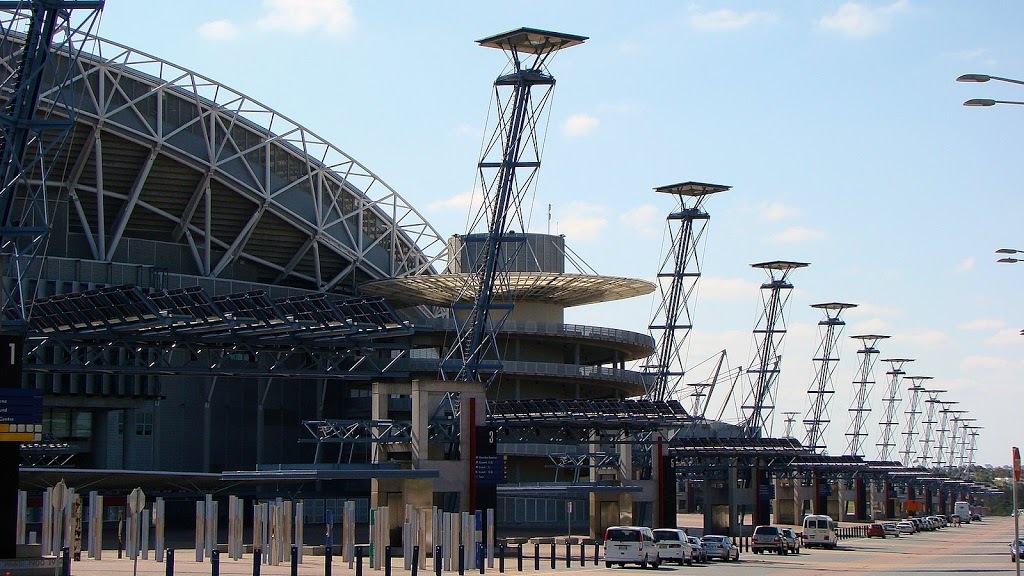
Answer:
[(480, 556), (536, 556), (169, 567), (257, 560), (552, 555), (501, 559), (328, 558), (66, 561), (415, 560), (438, 561), (359, 561), (519, 558), (462, 559), (387, 560), (568, 553), (295, 560), (583, 554), (597, 546), (215, 562)]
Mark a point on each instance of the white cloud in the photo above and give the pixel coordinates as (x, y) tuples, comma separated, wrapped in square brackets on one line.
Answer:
[(218, 30), (581, 222), (1009, 336), (872, 310), (982, 324), (462, 202), (972, 364), (580, 125), (857, 20), (726, 19), (646, 220), (797, 235), (927, 338), (965, 265), (729, 289), (466, 130), (775, 211), (333, 17), (868, 326)]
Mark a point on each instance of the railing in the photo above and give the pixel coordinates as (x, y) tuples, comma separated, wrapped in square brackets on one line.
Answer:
[(561, 330)]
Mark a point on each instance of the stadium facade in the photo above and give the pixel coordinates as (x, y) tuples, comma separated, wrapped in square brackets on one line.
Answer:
[(195, 232)]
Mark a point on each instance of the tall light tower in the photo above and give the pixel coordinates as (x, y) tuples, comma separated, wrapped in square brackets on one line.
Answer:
[(931, 412), (820, 393), (768, 336), (913, 414), (790, 421), (956, 421), (890, 405), (507, 169), (860, 409), (677, 278)]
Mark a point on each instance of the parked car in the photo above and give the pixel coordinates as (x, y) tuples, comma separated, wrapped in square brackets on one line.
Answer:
[(673, 545), (630, 545), (906, 527), (792, 540), (876, 531), (699, 553), (975, 517), (767, 539), (721, 547), (1017, 550), (891, 529)]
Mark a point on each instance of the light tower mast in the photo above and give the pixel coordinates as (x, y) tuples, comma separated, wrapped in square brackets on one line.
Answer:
[(677, 278), (940, 445), (957, 420), (862, 390), (768, 336), (963, 441), (913, 414), (34, 123), (790, 420), (932, 404), (890, 405), (825, 359), (506, 171)]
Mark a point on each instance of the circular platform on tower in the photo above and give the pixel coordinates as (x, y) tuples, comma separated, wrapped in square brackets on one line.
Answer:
[(558, 288)]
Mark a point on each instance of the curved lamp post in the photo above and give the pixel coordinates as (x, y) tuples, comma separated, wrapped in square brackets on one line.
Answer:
[(986, 78)]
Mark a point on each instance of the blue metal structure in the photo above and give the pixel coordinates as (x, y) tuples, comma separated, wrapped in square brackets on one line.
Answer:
[(34, 123), (768, 335), (677, 279), (825, 359), (507, 170)]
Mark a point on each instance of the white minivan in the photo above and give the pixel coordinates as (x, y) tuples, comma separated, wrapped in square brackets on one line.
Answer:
[(819, 530), (630, 545)]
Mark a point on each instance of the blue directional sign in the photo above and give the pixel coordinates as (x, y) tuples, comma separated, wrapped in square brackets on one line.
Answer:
[(490, 469)]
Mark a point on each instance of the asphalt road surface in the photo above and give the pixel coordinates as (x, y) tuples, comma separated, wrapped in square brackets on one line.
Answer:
[(976, 548)]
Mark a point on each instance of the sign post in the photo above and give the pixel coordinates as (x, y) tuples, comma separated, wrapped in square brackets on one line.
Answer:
[(136, 504), (1016, 511)]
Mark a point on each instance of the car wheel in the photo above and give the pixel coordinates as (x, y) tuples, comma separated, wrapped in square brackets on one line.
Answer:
[(643, 563), (689, 561), (607, 564), (654, 565)]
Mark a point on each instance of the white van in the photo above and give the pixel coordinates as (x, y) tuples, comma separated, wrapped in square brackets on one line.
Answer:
[(630, 545), (963, 510), (819, 530)]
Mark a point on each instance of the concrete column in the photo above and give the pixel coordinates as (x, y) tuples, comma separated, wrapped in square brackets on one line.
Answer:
[(128, 438), (421, 411), (211, 386)]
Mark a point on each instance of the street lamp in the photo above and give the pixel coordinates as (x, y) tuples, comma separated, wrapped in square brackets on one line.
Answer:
[(986, 78), (1009, 260)]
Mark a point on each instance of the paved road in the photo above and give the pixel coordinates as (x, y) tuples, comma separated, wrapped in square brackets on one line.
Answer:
[(977, 548)]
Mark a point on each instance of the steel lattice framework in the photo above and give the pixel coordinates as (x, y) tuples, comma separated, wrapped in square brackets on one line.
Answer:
[(825, 359), (677, 279), (932, 406), (956, 424), (890, 407), (37, 117), (860, 408), (940, 445), (506, 172), (163, 149), (913, 414), (769, 333)]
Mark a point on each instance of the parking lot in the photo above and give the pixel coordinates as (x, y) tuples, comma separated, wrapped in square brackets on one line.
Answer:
[(979, 547)]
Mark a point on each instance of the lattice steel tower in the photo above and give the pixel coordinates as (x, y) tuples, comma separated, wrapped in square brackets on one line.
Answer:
[(677, 279), (932, 404), (790, 421), (820, 393), (956, 421), (36, 119), (769, 333), (940, 445), (862, 391), (890, 405), (506, 171), (913, 415)]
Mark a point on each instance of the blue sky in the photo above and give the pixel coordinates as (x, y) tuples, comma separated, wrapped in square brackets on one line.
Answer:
[(838, 124)]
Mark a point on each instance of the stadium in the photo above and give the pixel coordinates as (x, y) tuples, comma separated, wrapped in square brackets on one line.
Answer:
[(221, 290)]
